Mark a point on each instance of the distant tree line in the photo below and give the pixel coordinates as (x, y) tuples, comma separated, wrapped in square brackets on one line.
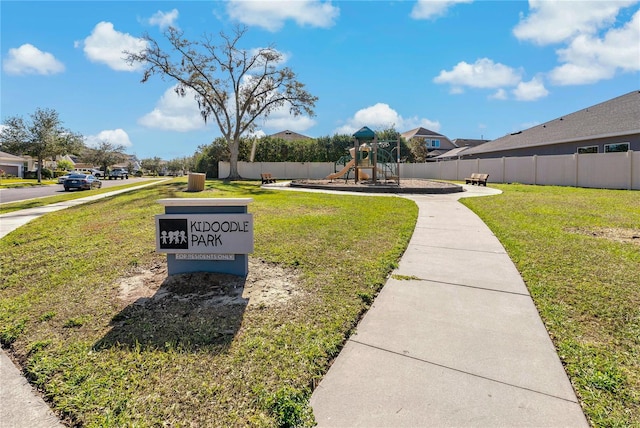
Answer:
[(44, 138), (322, 149)]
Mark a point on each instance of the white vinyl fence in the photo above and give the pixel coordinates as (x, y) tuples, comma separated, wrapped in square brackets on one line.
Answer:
[(599, 170)]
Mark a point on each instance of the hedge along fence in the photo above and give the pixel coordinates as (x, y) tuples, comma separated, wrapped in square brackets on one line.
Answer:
[(598, 170)]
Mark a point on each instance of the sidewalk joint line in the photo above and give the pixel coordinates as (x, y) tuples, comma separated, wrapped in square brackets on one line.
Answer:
[(475, 229), (461, 249), (463, 371), (473, 286)]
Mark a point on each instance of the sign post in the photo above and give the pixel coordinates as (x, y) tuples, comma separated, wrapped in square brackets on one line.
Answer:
[(205, 235)]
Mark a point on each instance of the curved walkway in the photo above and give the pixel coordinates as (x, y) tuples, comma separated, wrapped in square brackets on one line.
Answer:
[(453, 339)]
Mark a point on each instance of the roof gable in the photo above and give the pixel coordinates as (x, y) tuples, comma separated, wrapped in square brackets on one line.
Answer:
[(290, 136), (468, 142), (453, 153), (421, 132), (8, 157)]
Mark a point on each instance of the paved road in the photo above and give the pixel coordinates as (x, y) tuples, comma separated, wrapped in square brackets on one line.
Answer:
[(23, 193)]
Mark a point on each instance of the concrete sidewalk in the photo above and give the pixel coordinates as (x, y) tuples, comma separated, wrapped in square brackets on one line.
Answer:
[(457, 343)]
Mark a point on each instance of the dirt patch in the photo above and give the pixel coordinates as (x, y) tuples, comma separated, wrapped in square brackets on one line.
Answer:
[(192, 311), (614, 234), (267, 284)]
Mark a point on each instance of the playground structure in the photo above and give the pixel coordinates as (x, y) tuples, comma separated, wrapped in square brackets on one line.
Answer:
[(369, 160)]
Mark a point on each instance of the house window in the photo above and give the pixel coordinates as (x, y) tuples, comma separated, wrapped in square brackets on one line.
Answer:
[(617, 147), (587, 149), (432, 143)]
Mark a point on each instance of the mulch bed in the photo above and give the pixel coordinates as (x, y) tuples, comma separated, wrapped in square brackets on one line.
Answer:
[(405, 186)]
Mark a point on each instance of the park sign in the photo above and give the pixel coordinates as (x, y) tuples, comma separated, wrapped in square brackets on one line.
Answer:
[(204, 233)]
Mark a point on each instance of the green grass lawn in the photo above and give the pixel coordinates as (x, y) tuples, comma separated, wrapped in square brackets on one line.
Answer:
[(104, 363), (578, 251), (13, 182)]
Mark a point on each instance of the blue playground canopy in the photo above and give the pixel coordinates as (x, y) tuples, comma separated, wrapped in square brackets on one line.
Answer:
[(364, 134)]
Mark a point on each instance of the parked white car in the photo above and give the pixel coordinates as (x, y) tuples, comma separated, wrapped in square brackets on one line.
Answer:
[(91, 171), (64, 177)]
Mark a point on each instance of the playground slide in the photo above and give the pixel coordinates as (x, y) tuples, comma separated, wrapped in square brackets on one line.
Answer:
[(361, 176), (343, 171)]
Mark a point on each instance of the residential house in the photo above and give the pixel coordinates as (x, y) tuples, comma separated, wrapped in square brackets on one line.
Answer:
[(435, 143), (12, 165), (611, 126), (462, 144), (290, 136), (130, 161)]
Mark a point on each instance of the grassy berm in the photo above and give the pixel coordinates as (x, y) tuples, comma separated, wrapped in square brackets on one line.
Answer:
[(110, 341), (578, 251)]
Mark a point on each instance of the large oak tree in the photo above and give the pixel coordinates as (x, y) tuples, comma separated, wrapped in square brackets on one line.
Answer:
[(233, 86), (105, 154)]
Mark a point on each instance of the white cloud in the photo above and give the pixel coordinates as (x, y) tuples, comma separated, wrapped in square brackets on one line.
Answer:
[(381, 116), (281, 119), (272, 15), (431, 9), (255, 134), (106, 45), (27, 59), (559, 21), (117, 137), (164, 19), (174, 113), (484, 73), (531, 90), (589, 59), (576, 74), (500, 94)]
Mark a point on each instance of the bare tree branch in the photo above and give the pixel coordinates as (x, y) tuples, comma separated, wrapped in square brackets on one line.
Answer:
[(231, 85)]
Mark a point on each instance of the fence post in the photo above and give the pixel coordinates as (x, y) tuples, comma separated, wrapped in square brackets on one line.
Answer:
[(576, 162), (630, 156)]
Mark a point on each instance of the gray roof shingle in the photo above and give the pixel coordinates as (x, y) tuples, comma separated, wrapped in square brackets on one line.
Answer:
[(420, 132), (618, 116), (290, 136)]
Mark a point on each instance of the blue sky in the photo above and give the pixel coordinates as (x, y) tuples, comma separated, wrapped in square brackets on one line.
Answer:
[(463, 68)]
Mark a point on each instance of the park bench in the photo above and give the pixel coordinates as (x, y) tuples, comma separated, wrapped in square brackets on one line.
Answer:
[(477, 178), (267, 178)]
